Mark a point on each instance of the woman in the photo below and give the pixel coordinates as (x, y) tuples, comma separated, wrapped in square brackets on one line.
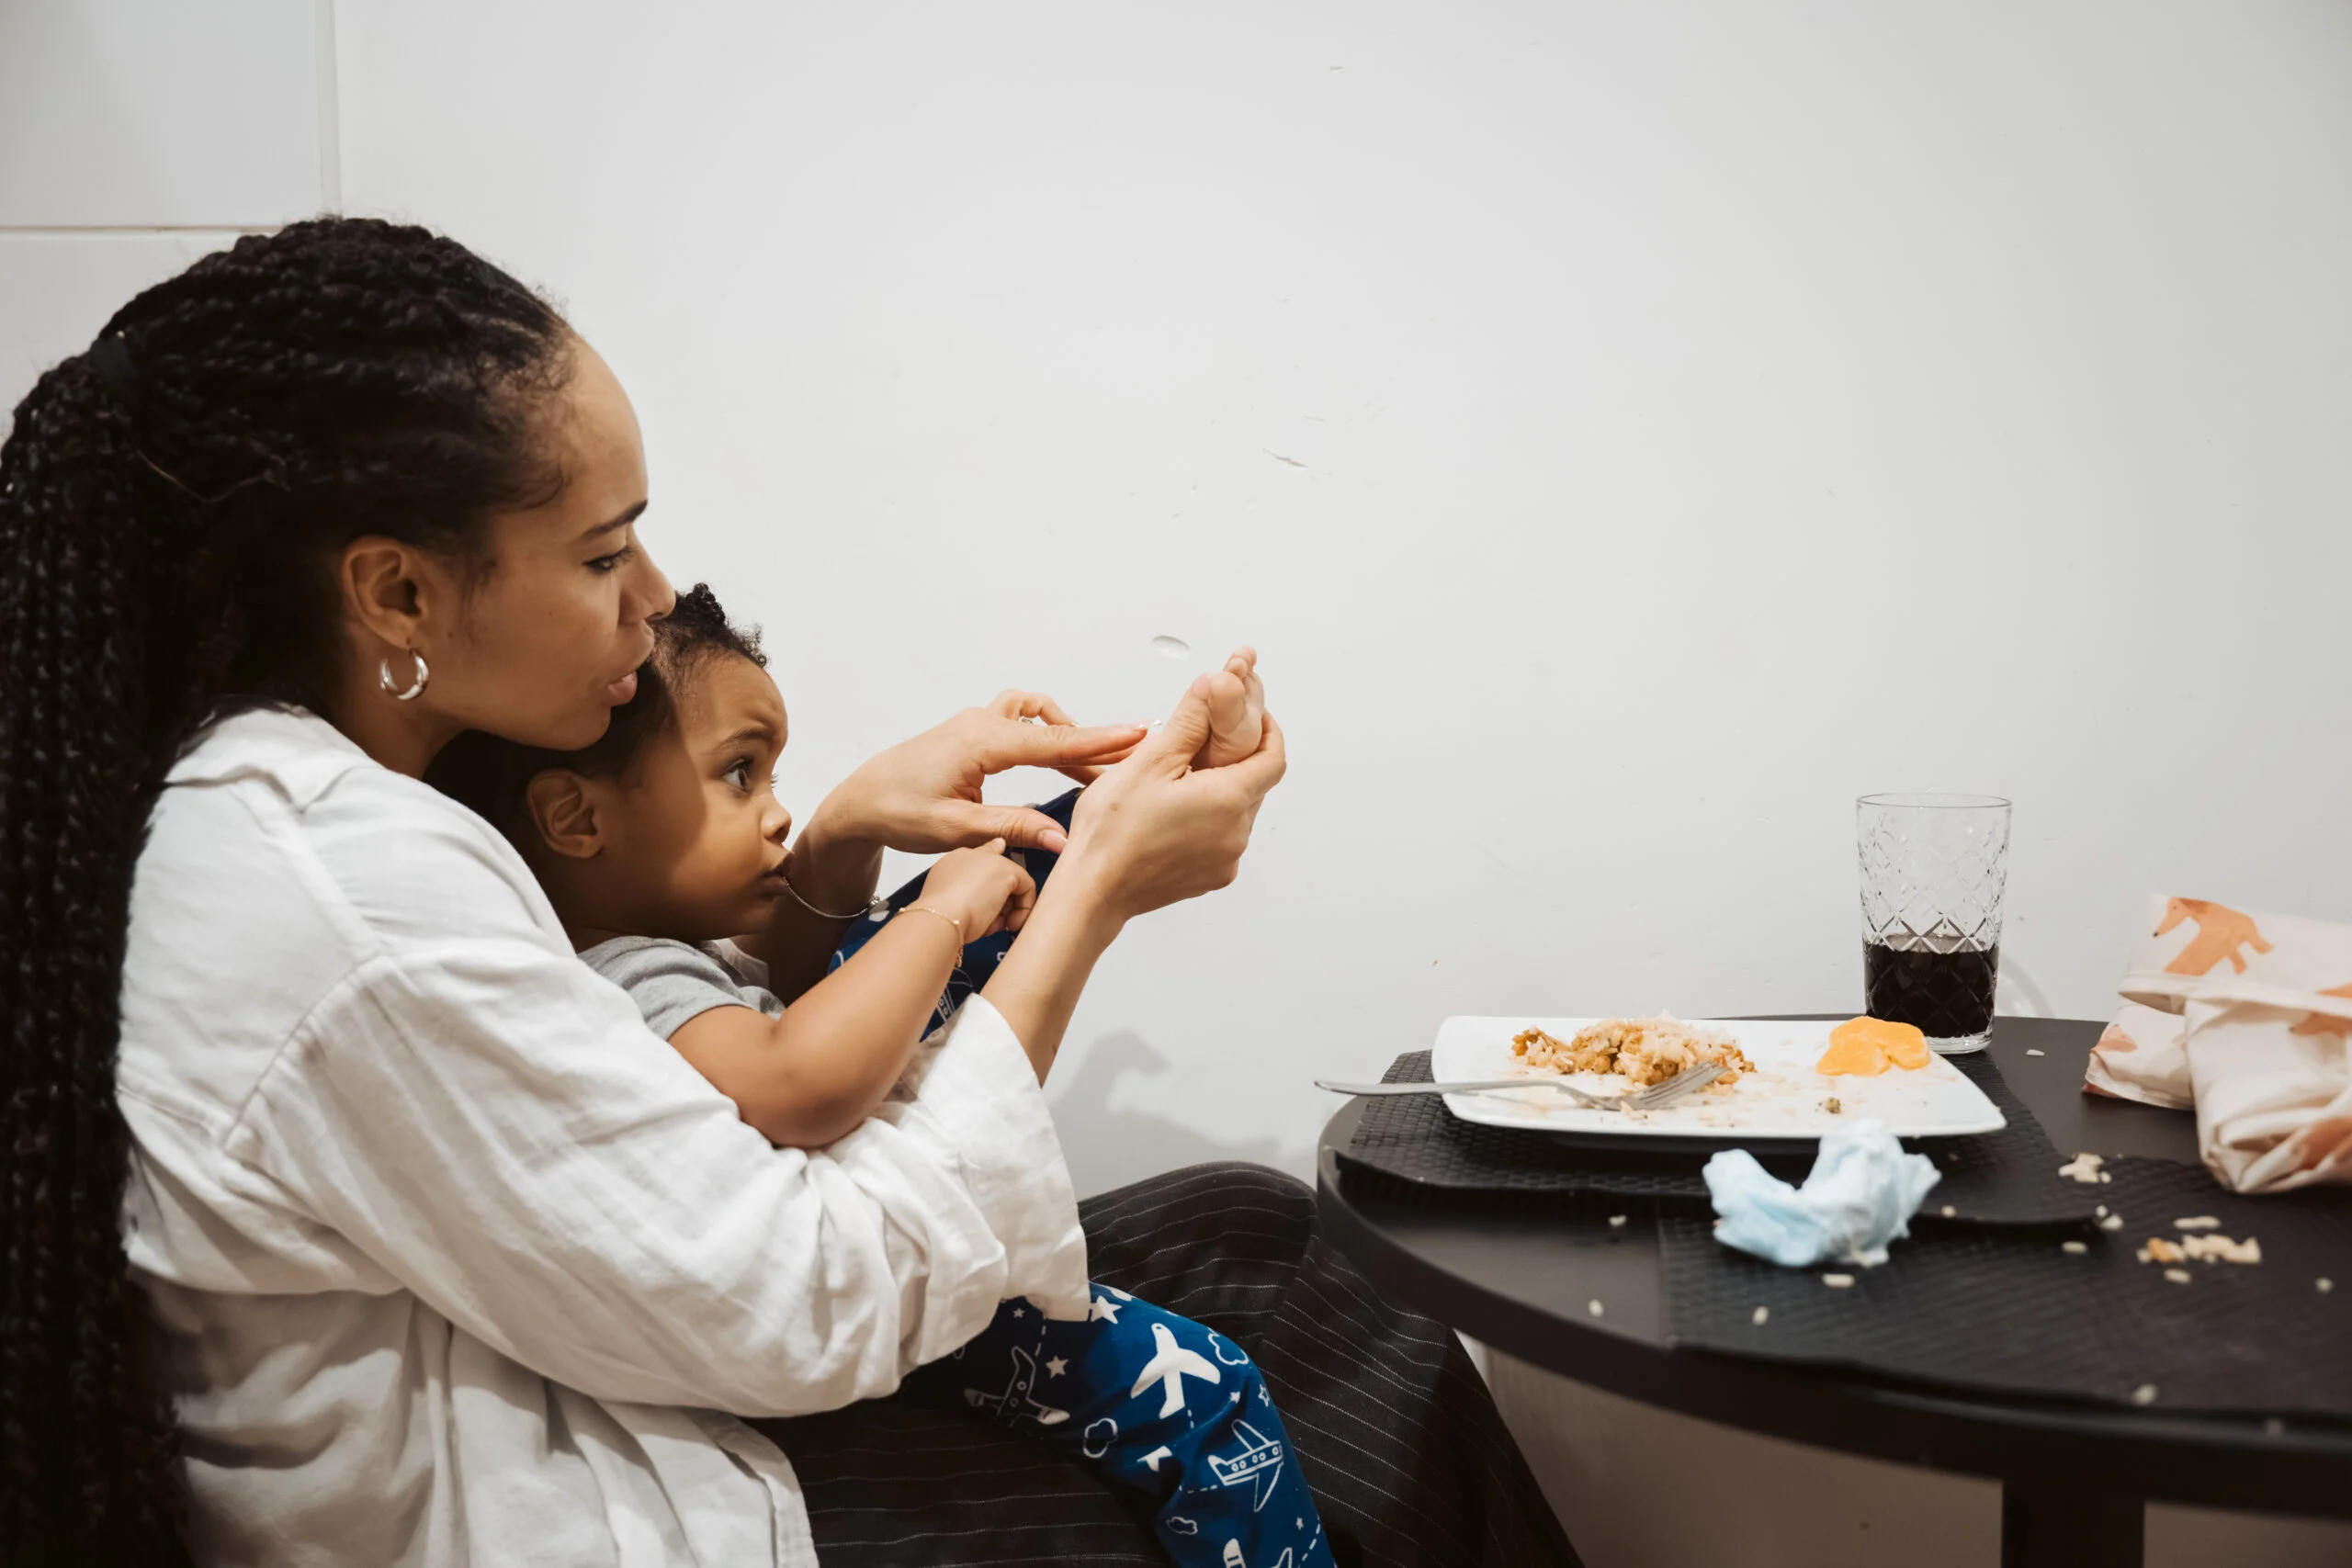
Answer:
[(450, 1260)]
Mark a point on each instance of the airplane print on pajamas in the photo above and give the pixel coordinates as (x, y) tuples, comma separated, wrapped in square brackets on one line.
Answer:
[(1156, 1403)]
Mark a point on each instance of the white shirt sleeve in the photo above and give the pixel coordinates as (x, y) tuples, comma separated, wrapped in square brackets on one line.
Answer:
[(496, 1128), (491, 1123)]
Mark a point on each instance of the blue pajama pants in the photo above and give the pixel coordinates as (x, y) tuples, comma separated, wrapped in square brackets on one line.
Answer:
[(1161, 1406), (979, 959)]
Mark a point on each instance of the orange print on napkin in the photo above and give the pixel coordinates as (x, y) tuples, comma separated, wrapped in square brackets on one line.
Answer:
[(2139, 1057), (2251, 1027), (2220, 932), (2326, 1144), (2325, 1022)]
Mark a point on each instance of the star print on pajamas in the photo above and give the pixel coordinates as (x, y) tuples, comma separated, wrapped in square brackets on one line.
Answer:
[(1141, 1432), (1129, 1381)]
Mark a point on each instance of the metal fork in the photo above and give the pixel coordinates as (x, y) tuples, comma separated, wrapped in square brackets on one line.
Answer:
[(1682, 1083)]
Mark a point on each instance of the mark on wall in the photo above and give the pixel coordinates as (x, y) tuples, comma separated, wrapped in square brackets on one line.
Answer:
[(1172, 647)]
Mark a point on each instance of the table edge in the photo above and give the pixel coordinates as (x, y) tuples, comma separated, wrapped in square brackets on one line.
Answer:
[(2210, 1460)]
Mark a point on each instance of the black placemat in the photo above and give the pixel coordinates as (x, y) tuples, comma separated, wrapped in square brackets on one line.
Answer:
[(2004, 1178), (1991, 1308)]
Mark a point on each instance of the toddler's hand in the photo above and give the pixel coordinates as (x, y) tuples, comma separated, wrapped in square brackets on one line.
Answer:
[(1236, 700), (981, 888)]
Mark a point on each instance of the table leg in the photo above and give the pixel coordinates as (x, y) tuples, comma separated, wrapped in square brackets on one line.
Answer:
[(2061, 1527)]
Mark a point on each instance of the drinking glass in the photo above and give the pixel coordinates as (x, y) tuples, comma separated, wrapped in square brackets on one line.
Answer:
[(1934, 867)]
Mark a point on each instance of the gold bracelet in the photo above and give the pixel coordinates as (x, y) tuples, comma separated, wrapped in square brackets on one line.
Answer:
[(940, 914)]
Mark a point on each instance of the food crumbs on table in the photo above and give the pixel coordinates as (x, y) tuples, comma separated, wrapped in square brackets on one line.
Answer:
[(1758, 1316), (2144, 1394), (2159, 1250), (2100, 1210), (2178, 1276), (2031, 1052), (2221, 1249), (2074, 1246), (1836, 1281), (2084, 1168), (1950, 1212), (1617, 1220), (2112, 1222), (1593, 1307), (2326, 1285), (2197, 1222), (1835, 1106)]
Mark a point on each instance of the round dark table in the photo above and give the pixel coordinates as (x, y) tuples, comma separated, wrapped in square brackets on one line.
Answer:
[(2073, 1477)]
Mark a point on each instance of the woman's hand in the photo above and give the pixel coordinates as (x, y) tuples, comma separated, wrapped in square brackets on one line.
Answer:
[(1150, 831), (982, 890), (1155, 831), (923, 795)]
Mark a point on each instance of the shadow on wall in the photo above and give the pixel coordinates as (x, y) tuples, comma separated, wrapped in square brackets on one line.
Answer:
[(1113, 1134)]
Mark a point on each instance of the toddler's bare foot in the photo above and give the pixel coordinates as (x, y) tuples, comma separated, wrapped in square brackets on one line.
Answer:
[(1236, 700)]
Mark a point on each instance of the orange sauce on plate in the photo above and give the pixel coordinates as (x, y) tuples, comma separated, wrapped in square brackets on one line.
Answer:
[(1865, 1047)]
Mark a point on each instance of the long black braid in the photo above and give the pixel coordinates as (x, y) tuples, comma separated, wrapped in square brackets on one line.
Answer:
[(171, 505)]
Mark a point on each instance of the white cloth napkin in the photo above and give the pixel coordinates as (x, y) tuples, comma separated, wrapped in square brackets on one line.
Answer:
[(2246, 1016)]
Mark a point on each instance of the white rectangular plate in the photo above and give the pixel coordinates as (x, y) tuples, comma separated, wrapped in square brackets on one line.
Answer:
[(1784, 1098)]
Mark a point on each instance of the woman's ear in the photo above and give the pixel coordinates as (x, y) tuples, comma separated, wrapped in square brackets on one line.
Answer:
[(562, 808), (381, 591)]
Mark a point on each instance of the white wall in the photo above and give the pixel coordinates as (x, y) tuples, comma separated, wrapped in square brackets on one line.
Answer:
[(134, 138), (1629, 431)]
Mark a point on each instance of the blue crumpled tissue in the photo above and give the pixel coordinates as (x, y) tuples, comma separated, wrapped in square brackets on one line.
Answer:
[(1861, 1195)]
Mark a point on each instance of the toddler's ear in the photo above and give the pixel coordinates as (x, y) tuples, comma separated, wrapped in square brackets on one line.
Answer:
[(563, 813)]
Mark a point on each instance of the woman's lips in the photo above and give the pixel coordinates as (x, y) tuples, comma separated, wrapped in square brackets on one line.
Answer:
[(620, 691)]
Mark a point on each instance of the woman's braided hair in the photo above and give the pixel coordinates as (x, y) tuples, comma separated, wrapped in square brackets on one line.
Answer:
[(172, 505)]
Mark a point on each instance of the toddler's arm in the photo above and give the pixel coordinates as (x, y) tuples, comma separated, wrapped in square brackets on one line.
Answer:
[(811, 1075)]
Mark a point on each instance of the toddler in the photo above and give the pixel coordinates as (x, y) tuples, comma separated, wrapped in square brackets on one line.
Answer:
[(661, 848)]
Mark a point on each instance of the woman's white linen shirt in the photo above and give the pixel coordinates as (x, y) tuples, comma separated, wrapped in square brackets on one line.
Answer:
[(458, 1263)]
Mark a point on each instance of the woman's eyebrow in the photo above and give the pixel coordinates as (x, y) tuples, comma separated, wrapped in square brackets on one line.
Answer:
[(623, 521)]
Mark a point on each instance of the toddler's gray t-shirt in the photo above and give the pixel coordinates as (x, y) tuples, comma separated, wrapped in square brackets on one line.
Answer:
[(674, 981)]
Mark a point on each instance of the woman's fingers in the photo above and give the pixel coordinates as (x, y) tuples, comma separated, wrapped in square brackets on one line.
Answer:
[(1172, 748), (1026, 706), (1264, 770), (1059, 742), (1013, 704), (972, 823), (1057, 745)]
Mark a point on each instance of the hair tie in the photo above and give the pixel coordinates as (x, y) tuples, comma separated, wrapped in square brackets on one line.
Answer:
[(110, 360)]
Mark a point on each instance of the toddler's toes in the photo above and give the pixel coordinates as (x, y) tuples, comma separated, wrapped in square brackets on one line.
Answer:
[(1233, 729)]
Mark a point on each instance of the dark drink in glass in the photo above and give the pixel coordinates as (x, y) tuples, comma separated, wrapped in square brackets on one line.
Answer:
[(1942, 987), (1934, 868)]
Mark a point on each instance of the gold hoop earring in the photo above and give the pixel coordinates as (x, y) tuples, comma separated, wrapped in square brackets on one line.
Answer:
[(384, 678)]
